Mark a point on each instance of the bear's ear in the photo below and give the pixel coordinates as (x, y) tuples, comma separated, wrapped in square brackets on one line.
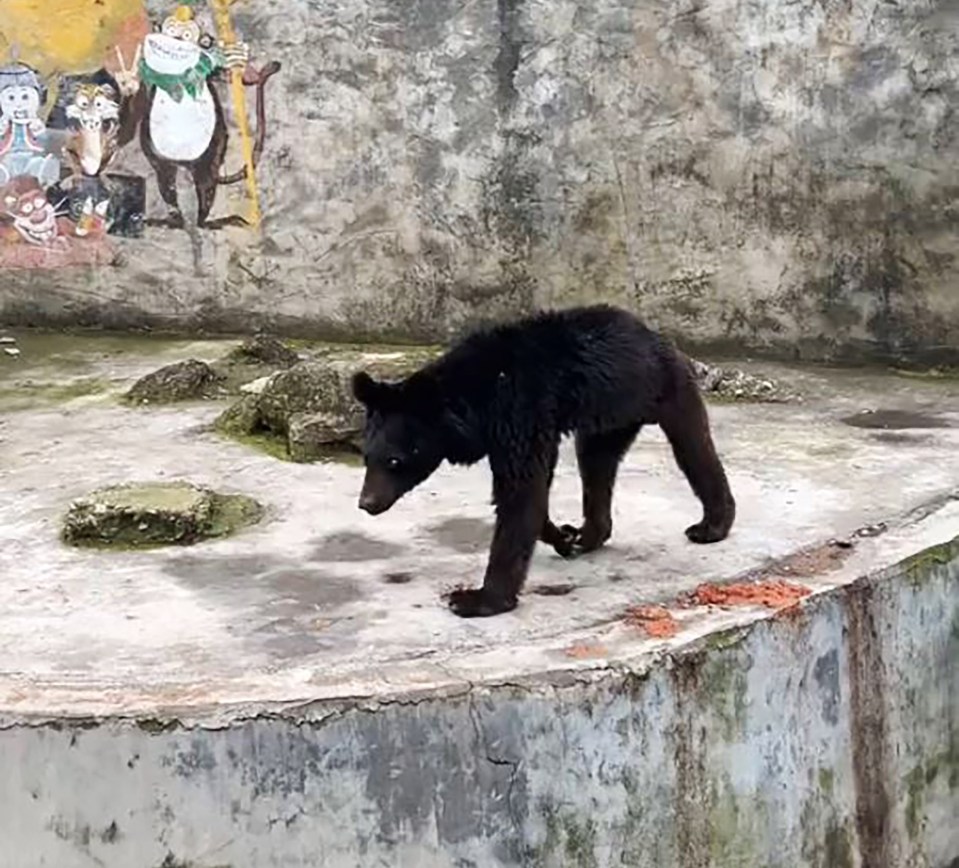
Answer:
[(366, 390)]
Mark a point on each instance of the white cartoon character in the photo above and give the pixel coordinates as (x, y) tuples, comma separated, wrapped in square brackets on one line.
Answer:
[(23, 150)]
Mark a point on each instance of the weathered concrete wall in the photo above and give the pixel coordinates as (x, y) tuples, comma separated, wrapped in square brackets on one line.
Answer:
[(827, 739), (777, 172)]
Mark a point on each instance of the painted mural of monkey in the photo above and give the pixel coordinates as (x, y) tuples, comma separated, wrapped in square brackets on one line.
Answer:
[(183, 123)]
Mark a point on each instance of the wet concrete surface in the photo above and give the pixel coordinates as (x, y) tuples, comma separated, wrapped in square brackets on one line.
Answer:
[(323, 600), (892, 420)]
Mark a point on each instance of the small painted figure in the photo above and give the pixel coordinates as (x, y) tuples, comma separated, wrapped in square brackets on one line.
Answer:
[(93, 115), (23, 148), (30, 216)]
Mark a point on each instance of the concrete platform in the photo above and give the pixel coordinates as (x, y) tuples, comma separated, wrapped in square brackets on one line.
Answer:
[(299, 695)]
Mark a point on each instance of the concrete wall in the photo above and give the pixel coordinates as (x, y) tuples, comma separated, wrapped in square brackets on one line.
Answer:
[(776, 172), (826, 739)]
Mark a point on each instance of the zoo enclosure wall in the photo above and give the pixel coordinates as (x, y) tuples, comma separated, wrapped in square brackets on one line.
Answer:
[(778, 175)]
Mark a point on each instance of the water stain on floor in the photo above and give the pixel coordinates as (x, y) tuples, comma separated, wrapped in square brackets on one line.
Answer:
[(288, 611), (558, 589), (398, 578), (464, 535), (890, 420), (293, 638), (349, 546), (278, 587)]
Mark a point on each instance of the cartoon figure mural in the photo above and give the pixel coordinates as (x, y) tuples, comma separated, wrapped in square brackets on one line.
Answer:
[(33, 219), (94, 116), (23, 148), (75, 141), (185, 125)]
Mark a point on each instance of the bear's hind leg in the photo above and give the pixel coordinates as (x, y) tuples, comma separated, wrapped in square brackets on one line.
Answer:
[(686, 425), (561, 539), (599, 456)]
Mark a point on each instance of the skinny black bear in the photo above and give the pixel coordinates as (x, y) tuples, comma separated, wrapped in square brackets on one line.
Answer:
[(510, 393)]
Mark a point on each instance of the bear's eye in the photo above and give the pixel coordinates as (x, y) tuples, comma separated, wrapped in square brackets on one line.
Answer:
[(394, 463)]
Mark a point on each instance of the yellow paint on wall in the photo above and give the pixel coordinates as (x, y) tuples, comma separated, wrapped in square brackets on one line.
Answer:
[(224, 25), (68, 35)]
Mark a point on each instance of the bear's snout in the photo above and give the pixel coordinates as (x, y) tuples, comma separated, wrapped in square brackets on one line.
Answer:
[(379, 492), (373, 505)]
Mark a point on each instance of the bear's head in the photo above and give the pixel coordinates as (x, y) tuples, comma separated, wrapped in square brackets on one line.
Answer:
[(403, 442)]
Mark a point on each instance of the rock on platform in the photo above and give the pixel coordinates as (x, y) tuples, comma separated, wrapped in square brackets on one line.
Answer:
[(188, 380), (310, 406), (156, 513)]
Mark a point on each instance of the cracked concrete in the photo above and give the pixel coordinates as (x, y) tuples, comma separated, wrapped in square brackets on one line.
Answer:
[(280, 698)]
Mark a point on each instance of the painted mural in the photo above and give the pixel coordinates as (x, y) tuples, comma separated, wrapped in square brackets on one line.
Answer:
[(104, 117)]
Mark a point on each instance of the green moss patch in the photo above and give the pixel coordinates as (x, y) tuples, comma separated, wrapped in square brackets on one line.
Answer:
[(27, 394)]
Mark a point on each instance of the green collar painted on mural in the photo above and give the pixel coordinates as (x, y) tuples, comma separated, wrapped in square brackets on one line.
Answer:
[(189, 82)]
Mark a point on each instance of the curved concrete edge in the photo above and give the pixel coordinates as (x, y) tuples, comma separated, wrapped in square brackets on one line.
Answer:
[(306, 694), (827, 738)]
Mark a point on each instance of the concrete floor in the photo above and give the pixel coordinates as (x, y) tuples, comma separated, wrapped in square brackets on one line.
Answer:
[(323, 601)]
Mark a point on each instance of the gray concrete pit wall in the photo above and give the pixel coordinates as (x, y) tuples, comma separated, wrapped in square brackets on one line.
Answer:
[(825, 738), (778, 173)]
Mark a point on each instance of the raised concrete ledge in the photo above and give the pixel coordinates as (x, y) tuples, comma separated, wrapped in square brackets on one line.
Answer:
[(826, 737), (298, 695), (618, 649)]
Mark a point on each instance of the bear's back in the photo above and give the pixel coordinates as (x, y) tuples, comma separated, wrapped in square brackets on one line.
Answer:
[(578, 369)]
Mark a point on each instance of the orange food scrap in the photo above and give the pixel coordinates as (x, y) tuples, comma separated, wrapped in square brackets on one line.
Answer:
[(772, 593), (655, 620), (585, 652)]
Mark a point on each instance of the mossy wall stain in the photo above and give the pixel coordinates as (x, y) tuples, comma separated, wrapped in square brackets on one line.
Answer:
[(940, 771), (920, 567), (736, 825), (570, 840)]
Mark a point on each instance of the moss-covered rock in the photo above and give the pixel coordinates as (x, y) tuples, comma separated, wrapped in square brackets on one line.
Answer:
[(315, 435), (144, 515), (263, 350), (311, 405), (189, 380), (306, 388), (254, 361), (240, 418)]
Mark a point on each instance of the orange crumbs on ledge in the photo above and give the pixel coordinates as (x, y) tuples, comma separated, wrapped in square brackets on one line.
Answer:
[(655, 620), (771, 593)]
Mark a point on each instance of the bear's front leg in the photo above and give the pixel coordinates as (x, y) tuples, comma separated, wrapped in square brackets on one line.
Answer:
[(520, 513)]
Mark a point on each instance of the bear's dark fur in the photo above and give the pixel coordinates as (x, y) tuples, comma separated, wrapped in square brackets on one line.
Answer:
[(510, 393)]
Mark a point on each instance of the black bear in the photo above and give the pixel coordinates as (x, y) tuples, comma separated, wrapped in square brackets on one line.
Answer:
[(510, 393)]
